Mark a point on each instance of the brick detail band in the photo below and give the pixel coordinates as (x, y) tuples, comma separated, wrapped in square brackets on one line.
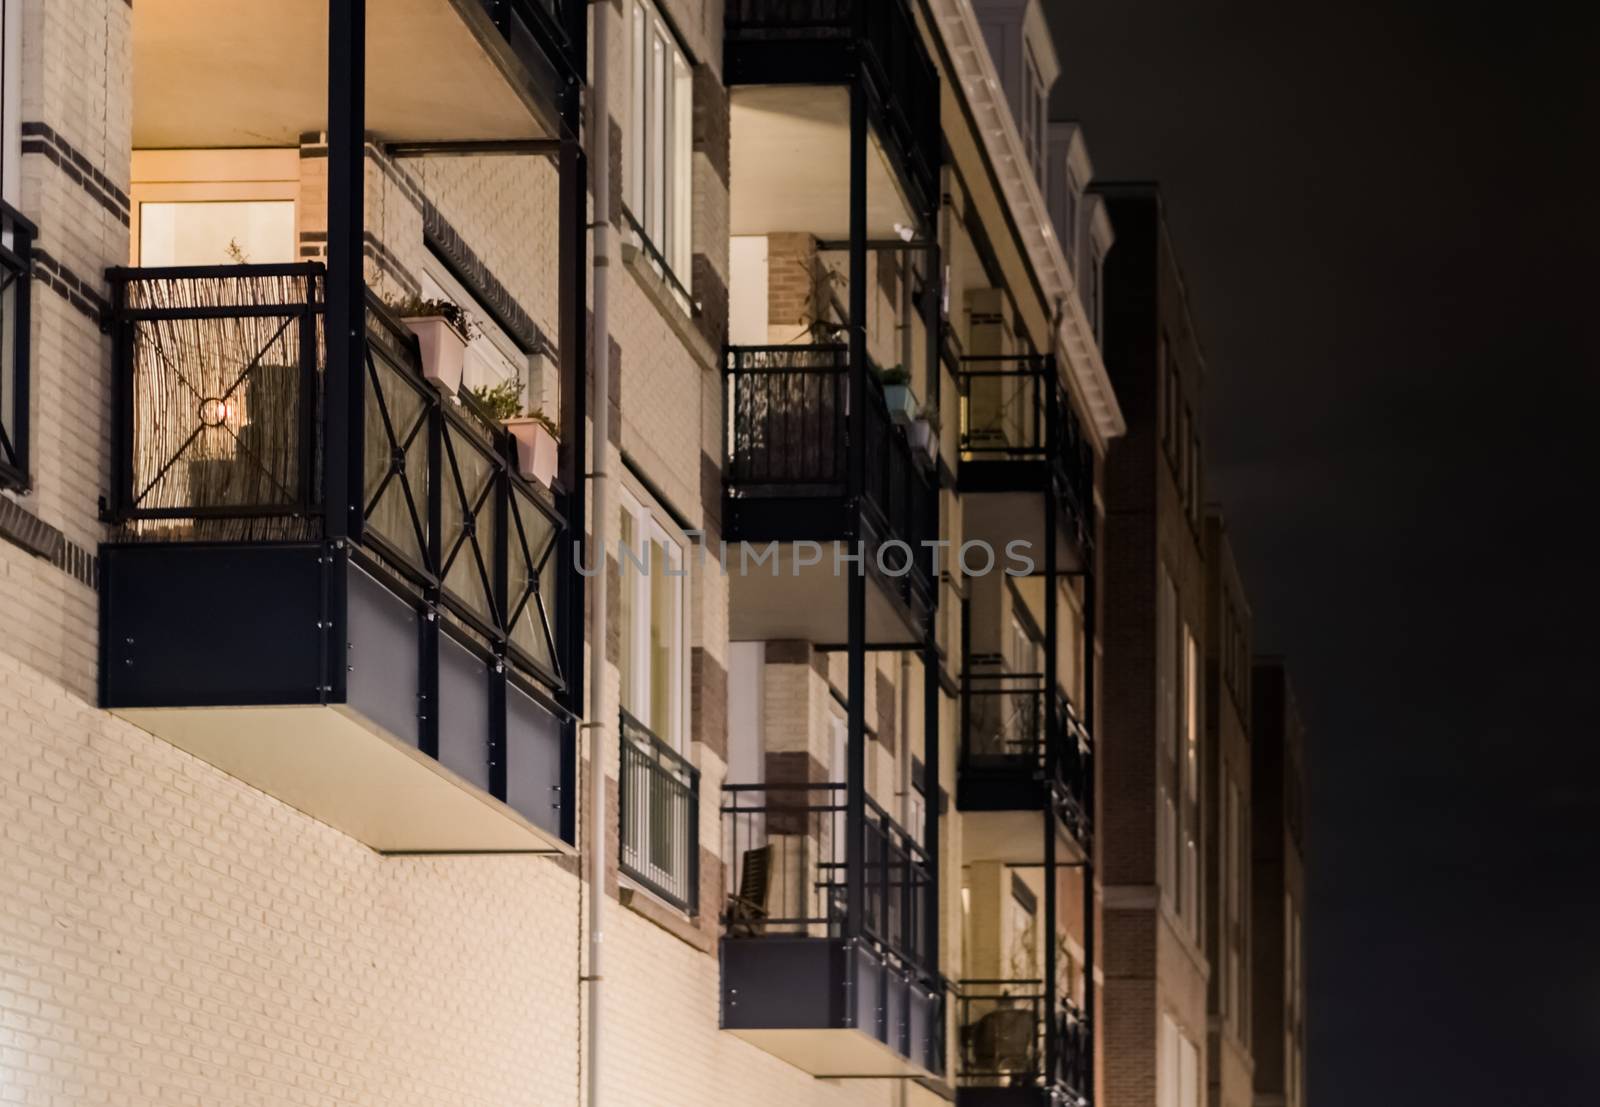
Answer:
[(39, 538), (42, 139), (70, 287)]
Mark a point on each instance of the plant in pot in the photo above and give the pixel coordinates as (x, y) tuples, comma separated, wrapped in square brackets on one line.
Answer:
[(535, 433), (897, 394), (924, 432), (443, 330)]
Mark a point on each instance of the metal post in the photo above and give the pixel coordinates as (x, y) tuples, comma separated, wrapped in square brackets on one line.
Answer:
[(855, 757), (347, 29), (572, 311), (1052, 731), (1091, 600)]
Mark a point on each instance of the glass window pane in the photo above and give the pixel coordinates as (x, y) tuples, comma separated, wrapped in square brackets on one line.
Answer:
[(655, 219), (663, 642), (231, 232), (626, 585)]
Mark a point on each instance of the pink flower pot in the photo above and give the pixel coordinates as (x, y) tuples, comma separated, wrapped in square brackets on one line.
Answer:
[(444, 351), (538, 452)]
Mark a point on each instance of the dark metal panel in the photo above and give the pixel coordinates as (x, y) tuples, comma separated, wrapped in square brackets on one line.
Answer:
[(775, 982), (384, 681), (206, 625), (867, 982), (1029, 1096), (534, 761), (463, 712)]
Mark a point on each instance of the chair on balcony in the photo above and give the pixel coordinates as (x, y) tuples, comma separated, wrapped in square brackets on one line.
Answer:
[(1003, 1041), (747, 908)]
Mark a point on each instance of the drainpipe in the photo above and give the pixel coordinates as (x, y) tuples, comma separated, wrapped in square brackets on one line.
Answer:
[(600, 521)]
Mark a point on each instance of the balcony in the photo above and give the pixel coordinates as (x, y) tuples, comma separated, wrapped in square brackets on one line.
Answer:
[(1013, 766), (240, 73), (404, 685), (1014, 1052), (1020, 438), (787, 483), (659, 798), (822, 45), (794, 983)]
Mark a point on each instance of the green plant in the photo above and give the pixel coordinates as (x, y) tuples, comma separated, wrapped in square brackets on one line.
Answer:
[(416, 307), (549, 424), (502, 401), (894, 374)]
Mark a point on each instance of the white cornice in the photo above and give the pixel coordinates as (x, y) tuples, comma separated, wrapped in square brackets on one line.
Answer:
[(979, 84)]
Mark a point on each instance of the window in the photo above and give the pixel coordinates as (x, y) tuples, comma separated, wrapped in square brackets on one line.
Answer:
[(16, 244), (1167, 774), (659, 188), (658, 787), (1033, 110), (652, 648), (1189, 771), (1167, 1053), (215, 207), (1092, 279)]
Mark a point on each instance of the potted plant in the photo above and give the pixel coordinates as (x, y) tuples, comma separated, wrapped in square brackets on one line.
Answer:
[(924, 432), (442, 331), (897, 394), (538, 445), (535, 433)]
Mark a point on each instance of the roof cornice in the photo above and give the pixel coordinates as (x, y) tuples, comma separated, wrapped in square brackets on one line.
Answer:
[(976, 81)]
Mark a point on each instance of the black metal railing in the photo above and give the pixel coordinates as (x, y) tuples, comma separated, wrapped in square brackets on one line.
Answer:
[(787, 418), (1015, 408), (219, 377), (659, 264), (788, 436), (1004, 1029), (16, 305), (1074, 773), (885, 34), (659, 796), (537, 32), (1006, 733), (221, 434), (785, 848)]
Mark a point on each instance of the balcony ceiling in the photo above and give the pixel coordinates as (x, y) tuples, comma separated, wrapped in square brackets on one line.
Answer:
[(237, 73), (791, 165)]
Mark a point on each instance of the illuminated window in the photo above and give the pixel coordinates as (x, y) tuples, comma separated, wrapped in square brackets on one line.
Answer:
[(659, 190), (215, 207), (652, 648)]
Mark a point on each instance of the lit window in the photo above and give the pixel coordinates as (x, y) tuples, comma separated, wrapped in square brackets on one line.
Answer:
[(215, 207), (652, 646), (659, 188)]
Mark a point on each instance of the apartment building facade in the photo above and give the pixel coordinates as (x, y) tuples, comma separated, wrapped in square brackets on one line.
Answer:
[(1278, 892), (1226, 780), (1155, 802), (301, 674)]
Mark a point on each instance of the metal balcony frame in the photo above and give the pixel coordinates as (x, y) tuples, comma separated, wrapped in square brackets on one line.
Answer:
[(16, 278), (563, 39)]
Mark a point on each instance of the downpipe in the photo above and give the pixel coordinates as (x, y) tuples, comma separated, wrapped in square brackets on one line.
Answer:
[(600, 521)]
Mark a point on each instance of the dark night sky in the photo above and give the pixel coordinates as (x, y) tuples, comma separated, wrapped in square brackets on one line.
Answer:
[(1387, 221)]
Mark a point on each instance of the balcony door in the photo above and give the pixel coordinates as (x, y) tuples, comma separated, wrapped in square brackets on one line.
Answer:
[(658, 785)]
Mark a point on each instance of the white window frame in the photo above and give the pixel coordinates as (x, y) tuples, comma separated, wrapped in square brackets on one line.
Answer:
[(659, 185), (489, 349), (651, 525), (210, 176), (10, 101)]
